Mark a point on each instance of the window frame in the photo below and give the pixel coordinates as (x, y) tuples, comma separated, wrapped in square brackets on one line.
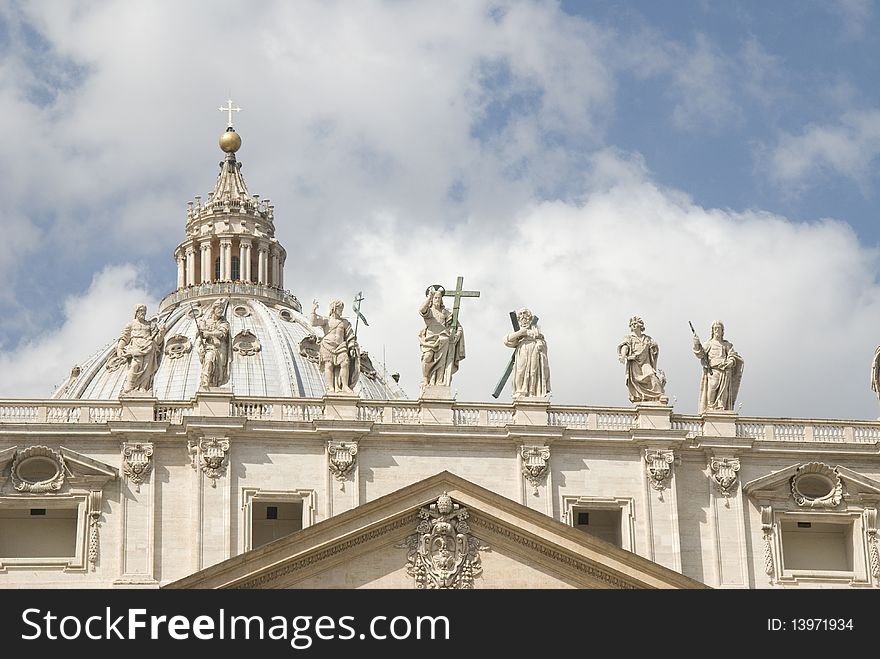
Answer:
[(571, 505), (249, 496), (75, 563), (853, 519)]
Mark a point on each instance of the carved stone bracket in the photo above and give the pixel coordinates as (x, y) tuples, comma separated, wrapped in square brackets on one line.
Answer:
[(95, 498), (137, 462), (767, 529), (342, 458), (209, 454), (816, 485), (723, 472), (871, 531), (659, 466), (534, 466), (442, 554), (38, 470)]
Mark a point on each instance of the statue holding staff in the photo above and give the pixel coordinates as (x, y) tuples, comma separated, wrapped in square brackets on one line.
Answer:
[(140, 348), (722, 370)]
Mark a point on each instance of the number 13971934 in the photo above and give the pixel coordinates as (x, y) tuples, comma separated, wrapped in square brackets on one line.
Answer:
[(810, 624)]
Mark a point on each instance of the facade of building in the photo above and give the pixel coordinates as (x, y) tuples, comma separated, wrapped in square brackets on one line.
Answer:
[(233, 440)]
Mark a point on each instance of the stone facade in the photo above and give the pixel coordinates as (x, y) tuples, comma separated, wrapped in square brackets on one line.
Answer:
[(650, 469), (204, 464)]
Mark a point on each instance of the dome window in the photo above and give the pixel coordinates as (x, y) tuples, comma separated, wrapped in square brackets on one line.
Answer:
[(236, 269), (286, 315), (177, 346)]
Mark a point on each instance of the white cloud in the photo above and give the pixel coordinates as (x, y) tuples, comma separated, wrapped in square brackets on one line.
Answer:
[(796, 299), (848, 148), (38, 364), (855, 16), (408, 143), (702, 82)]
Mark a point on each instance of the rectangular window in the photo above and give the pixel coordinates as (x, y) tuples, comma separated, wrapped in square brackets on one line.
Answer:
[(274, 519), (38, 532), (817, 546), (236, 269), (603, 523)]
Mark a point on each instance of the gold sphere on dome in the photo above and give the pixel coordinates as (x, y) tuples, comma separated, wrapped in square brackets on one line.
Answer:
[(230, 141)]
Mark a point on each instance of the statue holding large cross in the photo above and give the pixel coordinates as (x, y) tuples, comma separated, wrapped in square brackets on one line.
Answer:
[(442, 338), (528, 364)]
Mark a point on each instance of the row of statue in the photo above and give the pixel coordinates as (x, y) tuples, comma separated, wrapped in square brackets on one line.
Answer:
[(441, 340), (140, 347), (442, 344)]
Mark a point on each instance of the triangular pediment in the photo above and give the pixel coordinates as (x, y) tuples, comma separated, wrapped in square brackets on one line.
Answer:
[(87, 469), (72, 469), (381, 544), (778, 483)]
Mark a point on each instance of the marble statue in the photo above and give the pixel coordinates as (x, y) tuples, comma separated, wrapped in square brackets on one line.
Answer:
[(531, 371), (139, 348), (441, 349), (722, 370), (638, 353), (214, 352), (875, 372), (338, 351)]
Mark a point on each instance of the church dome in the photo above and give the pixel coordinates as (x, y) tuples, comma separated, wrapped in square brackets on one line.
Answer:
[(273, 355), (230, 253)]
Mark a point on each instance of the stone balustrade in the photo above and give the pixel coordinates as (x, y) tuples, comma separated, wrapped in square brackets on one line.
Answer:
[(231, 288), (410, 412)]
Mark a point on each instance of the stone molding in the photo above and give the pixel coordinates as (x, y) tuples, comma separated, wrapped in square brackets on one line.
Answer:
[(209, 454), (22, 482), (318, 556), (137, 462), (534, 464), (723, 472), (817, 471), (659, 466), (342, 458)]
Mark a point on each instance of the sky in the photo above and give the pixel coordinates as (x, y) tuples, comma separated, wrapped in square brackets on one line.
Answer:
[(592, 161)]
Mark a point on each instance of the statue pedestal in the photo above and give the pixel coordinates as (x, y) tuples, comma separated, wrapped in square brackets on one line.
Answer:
[(436, 392), (214, 401), (654, 415), (341, 406), (530, 411), (138, 408), (719, 423), (436, 404)]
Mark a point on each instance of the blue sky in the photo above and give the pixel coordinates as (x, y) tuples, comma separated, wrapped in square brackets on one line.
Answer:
[(591, 160)]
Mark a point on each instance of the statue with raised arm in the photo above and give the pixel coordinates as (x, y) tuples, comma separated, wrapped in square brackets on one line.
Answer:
[(214, 352), (140, 348), (638, 353), (338, 351), (531, 371), (442, 346), (722, 370)]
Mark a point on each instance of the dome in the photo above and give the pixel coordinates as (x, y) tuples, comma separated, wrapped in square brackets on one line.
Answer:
[(229, 252), (271, 357)]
